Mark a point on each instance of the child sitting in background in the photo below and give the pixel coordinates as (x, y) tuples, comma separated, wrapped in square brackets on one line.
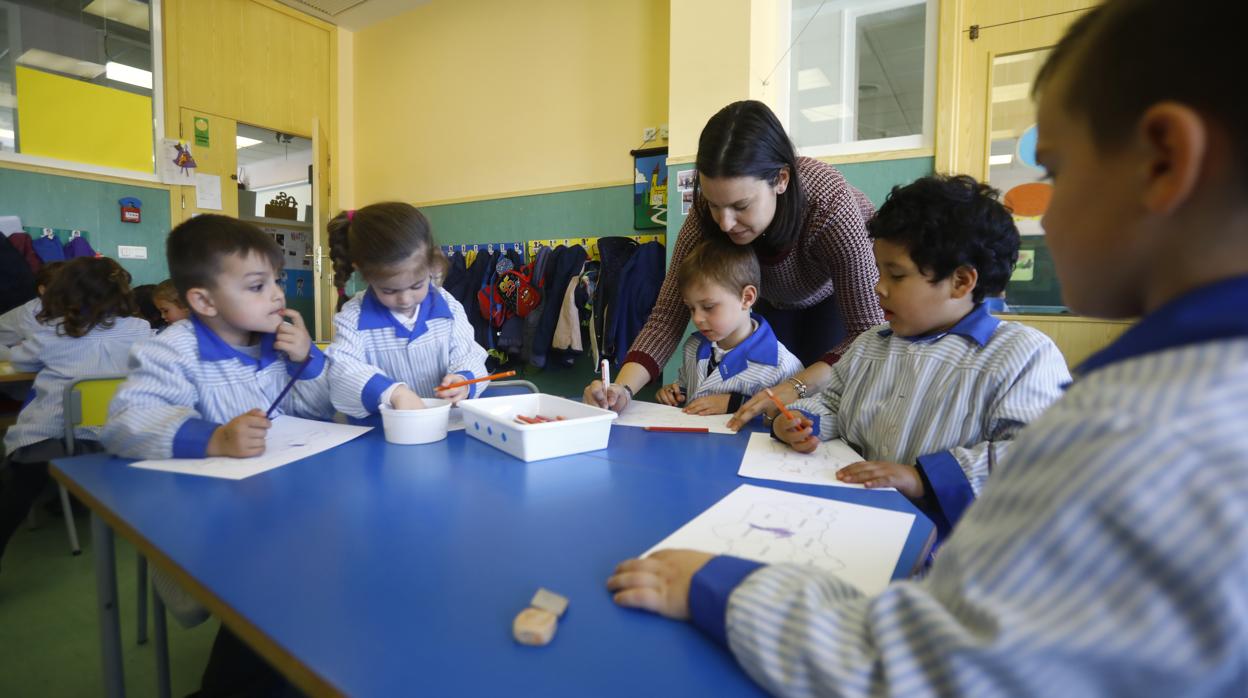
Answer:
[(85, 328), (170, 303), (403, 337), (734, 353), (19, 322), (147, 308), (933, 399)]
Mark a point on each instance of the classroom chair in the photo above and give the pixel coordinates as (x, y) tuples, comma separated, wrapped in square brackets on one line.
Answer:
[(501, 388)]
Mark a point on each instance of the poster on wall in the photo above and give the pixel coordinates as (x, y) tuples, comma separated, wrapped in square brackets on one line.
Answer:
[(649, 188), (684, 187), (296, 245)]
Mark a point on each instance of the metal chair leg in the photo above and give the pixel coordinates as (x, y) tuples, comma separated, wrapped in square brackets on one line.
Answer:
[(70, 528)]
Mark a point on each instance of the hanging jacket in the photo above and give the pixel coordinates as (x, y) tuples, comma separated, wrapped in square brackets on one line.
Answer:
[(26, 248), (560, 269), (615, 252), (49, 249), (17, 280), (641, 278), (78, 247)]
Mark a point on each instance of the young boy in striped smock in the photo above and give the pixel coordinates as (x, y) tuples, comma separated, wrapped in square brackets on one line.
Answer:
[(734, 353), (201, 388), (933, 398), (403, 337), (1107, 556)]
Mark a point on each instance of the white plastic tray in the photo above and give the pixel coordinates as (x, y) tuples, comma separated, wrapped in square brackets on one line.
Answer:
[(493, 420)]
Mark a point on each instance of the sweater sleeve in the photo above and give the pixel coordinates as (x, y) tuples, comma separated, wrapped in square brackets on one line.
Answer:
[(658, 338), (843, 242)]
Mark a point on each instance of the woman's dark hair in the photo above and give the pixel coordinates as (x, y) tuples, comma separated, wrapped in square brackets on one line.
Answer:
[(88, 292), (377, 238), (745, 139), (949, 222), (145, 300)]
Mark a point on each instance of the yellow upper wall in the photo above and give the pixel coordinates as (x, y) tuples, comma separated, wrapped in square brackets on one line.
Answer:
[(464, 99), (73, 120), (710, 67)]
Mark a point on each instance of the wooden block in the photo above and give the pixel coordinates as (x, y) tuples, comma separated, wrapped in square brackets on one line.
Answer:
[(548, 600), (534, 626)]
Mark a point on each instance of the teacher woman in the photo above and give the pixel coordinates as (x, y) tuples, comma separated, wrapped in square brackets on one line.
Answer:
[(808, 227)]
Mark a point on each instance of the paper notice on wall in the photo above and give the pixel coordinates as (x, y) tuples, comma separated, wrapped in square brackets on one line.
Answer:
[(207, 192)]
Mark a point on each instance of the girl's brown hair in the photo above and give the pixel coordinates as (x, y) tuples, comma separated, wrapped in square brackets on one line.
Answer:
[(168, 292), (378, 238), (87, 293)]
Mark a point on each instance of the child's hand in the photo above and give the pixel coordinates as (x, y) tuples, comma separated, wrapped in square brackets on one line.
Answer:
[(242, 437), (709, 404), (613, 397), (293, 337), (798, 432), (454, 394), (670, 395), (761, 404), (874, 473), (404, 399), (658, 583)]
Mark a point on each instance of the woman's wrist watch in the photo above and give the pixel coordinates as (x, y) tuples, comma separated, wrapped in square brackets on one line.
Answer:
[(799, 386)]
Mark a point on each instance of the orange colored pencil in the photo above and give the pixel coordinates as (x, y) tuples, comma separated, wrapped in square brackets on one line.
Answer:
[(783, 410), (496, 376)]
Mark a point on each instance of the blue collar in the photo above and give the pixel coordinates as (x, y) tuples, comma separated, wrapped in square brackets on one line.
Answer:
[(213, 348), (375, 316), (1207, 314), (977, 326), (760, 347)]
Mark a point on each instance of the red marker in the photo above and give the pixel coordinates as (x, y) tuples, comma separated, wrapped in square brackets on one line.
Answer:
[(681, 430)]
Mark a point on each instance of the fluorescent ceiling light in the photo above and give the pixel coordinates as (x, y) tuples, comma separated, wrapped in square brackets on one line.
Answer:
[(57, 63), (811, 79), (1000, 159), (6, 133), (1011, 93), (827, 112), (244, 142), (130, 12), (128, 74)]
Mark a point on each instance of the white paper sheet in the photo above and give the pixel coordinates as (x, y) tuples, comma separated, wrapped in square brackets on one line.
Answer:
[(650, 414), (207, 191), (289, 439), (167, 169), (769, 459), (860, 544)]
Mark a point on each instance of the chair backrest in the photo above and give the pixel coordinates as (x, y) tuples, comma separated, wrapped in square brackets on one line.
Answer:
[(86, 403), (501, 388)]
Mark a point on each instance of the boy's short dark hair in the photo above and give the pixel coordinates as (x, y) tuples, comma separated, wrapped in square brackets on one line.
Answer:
[(722, 263), (196, 247), (948, 222), (1128, 55)]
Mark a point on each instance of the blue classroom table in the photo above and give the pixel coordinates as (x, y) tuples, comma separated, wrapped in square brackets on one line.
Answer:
[(380, 570)]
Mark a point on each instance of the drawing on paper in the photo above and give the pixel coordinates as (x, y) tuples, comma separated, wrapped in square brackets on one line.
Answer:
[(799, 533)]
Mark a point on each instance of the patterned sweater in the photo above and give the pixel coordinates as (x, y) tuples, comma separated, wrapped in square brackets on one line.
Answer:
[(832, 256)]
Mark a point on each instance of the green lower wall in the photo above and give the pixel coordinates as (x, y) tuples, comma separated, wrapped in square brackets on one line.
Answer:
[(65, 202)]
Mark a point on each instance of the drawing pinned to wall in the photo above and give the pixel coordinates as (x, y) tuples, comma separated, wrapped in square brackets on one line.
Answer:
[(860, 544), (649, 188), (174, 163), (1025, 269), (684, 186)]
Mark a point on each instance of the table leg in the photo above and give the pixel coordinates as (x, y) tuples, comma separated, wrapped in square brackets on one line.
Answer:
[(162, 646), (106, 592)]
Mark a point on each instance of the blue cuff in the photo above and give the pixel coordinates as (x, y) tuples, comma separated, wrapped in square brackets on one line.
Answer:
[(472, 389), (950, 489), (316, 364), (192, 438), (709, 591), (373, 389)]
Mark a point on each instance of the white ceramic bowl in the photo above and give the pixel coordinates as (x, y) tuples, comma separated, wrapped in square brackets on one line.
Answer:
[(416, 426)]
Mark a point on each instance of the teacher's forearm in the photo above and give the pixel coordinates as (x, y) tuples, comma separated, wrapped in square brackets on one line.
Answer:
[(634, 375)]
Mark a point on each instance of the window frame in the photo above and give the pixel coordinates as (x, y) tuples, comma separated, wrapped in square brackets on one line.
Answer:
[(158, 120)]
